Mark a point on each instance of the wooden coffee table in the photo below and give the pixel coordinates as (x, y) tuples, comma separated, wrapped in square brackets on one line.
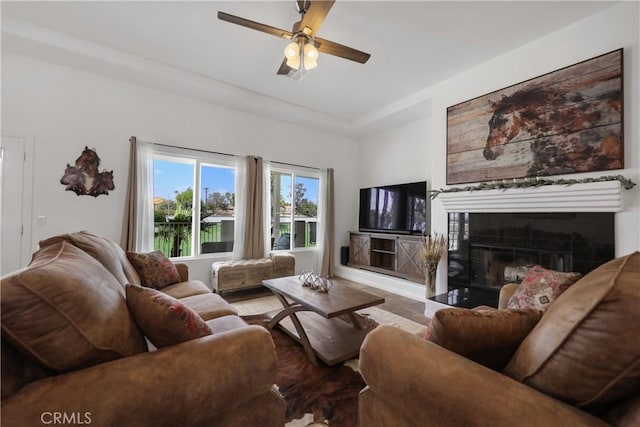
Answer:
[(311, 319)]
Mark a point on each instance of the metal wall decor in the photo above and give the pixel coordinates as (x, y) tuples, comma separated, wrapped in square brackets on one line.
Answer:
[(85, 178)]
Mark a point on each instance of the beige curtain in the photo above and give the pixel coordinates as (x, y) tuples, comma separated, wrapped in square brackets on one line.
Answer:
[(137, 225), (328, 218), (254, 230), (129, 223)]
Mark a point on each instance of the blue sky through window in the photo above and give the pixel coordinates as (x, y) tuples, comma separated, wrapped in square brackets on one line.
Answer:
[(170, 177), (311, 184)]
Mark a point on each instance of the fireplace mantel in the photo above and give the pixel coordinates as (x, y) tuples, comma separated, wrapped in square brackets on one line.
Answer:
[(585, 197)]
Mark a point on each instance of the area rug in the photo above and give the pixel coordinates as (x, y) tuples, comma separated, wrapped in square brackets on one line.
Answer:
[(315, 395)]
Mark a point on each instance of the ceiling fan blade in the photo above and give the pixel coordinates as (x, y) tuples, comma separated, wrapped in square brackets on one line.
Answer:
[(284, 68), (336, 49), (318, 10), (274, 31)]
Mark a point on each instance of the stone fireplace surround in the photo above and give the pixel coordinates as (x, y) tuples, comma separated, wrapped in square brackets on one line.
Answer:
[(588, 197)]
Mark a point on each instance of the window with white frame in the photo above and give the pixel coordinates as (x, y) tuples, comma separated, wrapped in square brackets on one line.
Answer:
[(193, 202), (294, 208)]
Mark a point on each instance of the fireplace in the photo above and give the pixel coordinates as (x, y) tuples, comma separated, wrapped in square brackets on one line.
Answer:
[(487, 250)]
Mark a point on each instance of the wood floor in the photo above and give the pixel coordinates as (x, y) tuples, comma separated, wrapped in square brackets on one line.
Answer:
[(396, 304)]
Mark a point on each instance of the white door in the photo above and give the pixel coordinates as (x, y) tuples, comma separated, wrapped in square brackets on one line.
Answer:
[(12, 191)]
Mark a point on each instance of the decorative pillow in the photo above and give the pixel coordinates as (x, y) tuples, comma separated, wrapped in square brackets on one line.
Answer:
[(98, 247), (154, 268), (67, 311), (540, 288), (489, 337), (163, 319), (585, 350)]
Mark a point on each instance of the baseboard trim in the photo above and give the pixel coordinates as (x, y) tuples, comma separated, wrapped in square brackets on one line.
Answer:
[(432, 306), (391, 284)]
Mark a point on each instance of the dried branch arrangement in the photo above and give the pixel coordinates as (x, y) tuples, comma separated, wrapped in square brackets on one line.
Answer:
[(433, 248)]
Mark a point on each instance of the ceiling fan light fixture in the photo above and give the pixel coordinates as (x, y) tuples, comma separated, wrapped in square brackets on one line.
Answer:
[(301, 52), (292, 53), (310, 56), (292, 50)]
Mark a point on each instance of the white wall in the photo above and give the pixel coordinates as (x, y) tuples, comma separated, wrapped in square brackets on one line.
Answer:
[(394, 157), (611, 29), (399, 155), (65, 109)]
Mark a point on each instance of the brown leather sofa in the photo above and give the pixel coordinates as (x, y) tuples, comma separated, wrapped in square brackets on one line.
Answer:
[(579, 366), (72, 353)]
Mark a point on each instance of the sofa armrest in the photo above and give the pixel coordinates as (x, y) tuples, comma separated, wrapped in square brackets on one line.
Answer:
[(505, 293), (184, 384), (183, 271), (433, 386)]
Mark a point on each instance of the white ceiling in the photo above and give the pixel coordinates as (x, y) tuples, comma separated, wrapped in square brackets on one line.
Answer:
[(413, 45)]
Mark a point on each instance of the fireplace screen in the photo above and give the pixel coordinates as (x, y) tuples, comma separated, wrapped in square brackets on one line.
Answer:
[(488, 250)]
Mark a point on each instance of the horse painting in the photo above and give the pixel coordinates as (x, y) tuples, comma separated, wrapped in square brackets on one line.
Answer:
[(85, 178), (567, 121), (553, 124)]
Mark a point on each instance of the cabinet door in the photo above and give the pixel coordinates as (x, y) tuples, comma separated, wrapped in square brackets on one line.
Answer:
[(359, 249), (409, 256)]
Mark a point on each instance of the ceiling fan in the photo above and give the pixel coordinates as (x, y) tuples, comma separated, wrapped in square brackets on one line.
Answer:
[(301, 54)]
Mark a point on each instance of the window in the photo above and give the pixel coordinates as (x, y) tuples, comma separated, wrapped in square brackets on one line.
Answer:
[(193, 202), (294, 209)]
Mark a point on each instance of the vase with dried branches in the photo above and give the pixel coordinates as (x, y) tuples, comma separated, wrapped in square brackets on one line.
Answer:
[(433, 249)]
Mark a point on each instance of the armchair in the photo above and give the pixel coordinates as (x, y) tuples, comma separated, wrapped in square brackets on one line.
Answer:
[(578, 366)]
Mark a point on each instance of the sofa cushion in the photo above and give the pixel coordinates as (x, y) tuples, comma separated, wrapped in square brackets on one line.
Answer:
[(98, 247), (489, 337), (154, 268), (226, 323), (17, 370), (586, 350), (186, 289), (163, 319), (127, 268), (209, 306), (540, 288), (67, 312)]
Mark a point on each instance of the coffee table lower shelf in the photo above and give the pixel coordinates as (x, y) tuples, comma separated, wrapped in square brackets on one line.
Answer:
[(333, 340)]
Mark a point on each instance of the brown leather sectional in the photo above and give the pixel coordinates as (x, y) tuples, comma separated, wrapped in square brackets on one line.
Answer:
[(72, 352)]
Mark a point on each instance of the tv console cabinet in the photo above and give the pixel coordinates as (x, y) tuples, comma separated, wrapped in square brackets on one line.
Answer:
[(397, 255)]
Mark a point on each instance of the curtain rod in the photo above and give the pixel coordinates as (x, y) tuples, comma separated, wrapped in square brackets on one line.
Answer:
[(294, 165), (193, 149), (225, 154)]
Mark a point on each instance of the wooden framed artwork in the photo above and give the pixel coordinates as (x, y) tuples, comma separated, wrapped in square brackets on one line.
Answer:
[(566, 121)]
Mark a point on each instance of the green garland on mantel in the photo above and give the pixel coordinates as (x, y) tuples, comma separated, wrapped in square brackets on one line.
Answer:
[(627, 184)]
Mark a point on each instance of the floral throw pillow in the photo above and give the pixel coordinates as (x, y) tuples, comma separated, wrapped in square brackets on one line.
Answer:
[(154, 268), (163, 319), (540, 288)]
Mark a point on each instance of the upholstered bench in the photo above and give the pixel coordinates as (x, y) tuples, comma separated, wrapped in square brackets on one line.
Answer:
[(249, 273)]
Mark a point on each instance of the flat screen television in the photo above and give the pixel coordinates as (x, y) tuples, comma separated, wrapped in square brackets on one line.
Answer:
[(400, 209)]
